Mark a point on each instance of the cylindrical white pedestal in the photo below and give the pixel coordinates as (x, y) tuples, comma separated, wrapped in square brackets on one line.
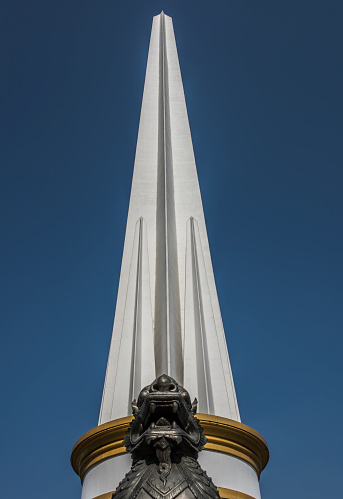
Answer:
[(231, 473), (234, 457)]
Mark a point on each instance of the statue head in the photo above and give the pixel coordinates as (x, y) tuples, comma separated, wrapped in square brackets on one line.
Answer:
[(164, 421)]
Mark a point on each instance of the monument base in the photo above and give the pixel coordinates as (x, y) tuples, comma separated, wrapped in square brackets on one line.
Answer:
[(234, 457)]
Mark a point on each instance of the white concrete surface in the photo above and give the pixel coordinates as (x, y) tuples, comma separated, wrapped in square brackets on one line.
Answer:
[(105, 476), (180, 295), (230, 472)]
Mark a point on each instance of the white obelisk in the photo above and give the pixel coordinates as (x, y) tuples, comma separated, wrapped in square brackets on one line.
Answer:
[(167, 317)]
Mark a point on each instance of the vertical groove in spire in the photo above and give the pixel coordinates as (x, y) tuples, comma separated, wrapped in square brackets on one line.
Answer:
[(206, 369), (131, 359), (203, 375), (136, 361), (168, 342)]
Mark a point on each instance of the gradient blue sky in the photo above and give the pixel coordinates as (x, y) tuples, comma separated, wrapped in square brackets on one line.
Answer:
[(263, 83)]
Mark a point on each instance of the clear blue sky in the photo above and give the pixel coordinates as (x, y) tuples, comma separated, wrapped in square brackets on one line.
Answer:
[(263, 83)]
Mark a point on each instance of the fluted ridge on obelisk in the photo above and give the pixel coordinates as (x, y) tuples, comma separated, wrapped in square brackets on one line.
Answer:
[(167, 317)]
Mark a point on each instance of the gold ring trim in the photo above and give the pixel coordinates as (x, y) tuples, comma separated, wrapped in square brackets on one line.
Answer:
[(223, 435), (100, 443), (235, 438), (108, 495), (227, 494), (224, 494)]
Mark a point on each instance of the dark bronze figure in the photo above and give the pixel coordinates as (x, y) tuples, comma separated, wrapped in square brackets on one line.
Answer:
[(164, 440)]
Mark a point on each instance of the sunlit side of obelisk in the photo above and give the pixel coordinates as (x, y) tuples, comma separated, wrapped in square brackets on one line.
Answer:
[(167, 317)]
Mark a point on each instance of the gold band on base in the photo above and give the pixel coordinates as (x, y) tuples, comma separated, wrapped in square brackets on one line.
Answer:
[(223, 435), (98, 444), (237, 439), (230, 494), (224, 494), (108, 495)]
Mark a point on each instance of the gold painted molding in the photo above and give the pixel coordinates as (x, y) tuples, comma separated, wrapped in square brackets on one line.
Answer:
[(224, 494), (223, 435), (102, 442), (108, 495), (237, 439), (227, 494)]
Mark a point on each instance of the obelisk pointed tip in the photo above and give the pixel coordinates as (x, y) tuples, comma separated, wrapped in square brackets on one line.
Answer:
[(162, 14)]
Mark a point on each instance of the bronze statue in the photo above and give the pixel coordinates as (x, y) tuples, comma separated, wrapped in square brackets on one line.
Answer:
[(164, 440)]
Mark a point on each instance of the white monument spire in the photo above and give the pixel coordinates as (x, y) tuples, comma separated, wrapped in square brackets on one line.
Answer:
[(166, 259), (167, 318)]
